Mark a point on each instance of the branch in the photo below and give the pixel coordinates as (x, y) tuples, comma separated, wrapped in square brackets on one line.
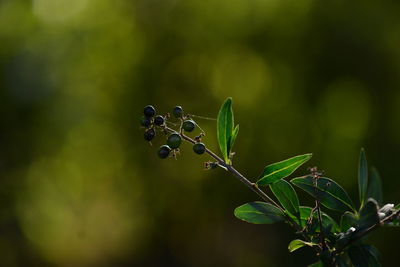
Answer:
[(321, 234), (368, 230), (241, 178)]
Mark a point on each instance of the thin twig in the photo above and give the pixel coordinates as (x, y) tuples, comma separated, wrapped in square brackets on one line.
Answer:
[(316, 175), (321, 233), (202, 117), (367, 231), (242, 178)]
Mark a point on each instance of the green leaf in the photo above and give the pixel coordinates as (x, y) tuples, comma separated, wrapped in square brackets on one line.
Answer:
[(362, 177), (341, 262), (286, 195), (225, 132), (225, 128), (374, 252), (259, 213), (348, 220), (327, 191), (316, 264), (394, 223), (282, 169), (234, 135), (375, 186), (364, 255), (368, 215), (297, 243), (327, 221), (397, 207)]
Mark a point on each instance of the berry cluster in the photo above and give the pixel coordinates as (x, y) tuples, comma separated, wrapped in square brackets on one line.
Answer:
[(153, 122)]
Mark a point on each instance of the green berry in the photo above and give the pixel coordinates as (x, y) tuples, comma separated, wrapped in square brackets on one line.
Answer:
[(146, 122), (159, 120), (163, 151), (174, 140), (149, 134), (149, 111), (177, 112), (199, 148), (188, 125)]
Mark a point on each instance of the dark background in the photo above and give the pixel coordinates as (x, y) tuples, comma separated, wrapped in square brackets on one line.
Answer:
[(80, 187)]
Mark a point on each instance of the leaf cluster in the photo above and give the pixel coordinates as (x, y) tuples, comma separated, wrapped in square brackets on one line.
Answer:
[(335, 243)]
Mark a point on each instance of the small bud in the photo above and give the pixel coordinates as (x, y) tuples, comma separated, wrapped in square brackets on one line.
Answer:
[(209, 165), (387, 208), (339, 235), (351, 230), (198, 138)]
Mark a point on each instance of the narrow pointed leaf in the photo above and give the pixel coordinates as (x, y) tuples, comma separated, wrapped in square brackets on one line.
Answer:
[(341, 262), (286, 195), (297, 243), (225, 128), (375, 186), (259, 213), (316, 264), (362, 177), (397, 207), (368, 215), (363, 255), (348, 220), (234, 135), (374, 252), (282, 169), (328, 192)]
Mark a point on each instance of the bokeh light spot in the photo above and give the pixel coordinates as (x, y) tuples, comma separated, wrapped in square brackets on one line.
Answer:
[(240, 73), (51, 11), (345, 109)]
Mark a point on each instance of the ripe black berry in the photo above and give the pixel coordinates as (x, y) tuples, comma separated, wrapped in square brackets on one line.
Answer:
[(149, 134), (164, 151), (174, 140), (199, 148), (149, 111), (177, 111), (188, 125), (145, 121), (159, 120)]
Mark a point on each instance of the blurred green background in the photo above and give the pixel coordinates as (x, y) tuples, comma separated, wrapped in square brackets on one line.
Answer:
[(80, 187)]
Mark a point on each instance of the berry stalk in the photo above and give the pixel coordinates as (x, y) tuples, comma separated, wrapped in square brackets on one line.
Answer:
[(150, 121), (239, 176)]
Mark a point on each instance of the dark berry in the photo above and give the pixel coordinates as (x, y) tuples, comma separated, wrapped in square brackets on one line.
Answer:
[(188, 125), (145, 121), (149, 134), (149, 111), (177, 111), (159, 120), (199, 148), (174, 140), (164, 151)]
